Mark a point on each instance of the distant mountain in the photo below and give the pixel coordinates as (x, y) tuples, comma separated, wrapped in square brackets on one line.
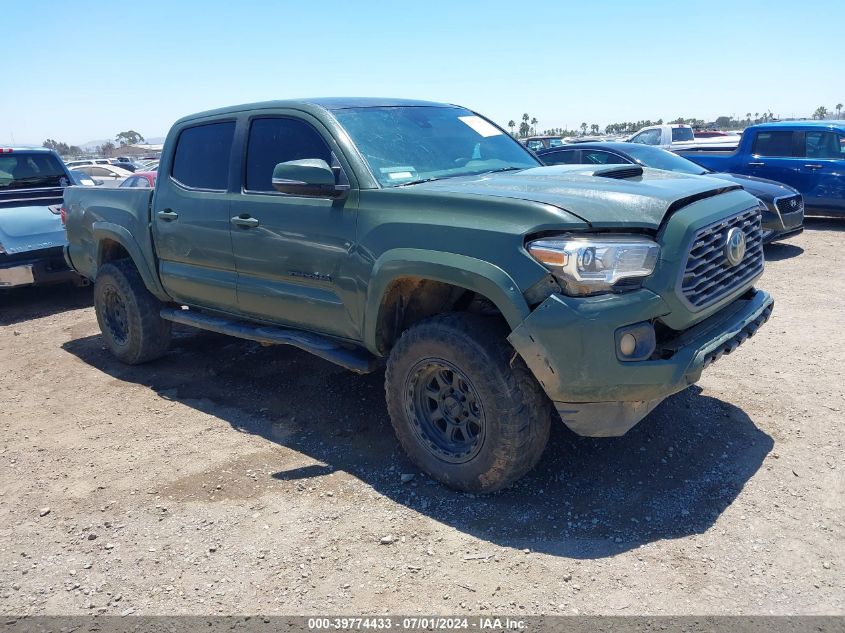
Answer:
[(90, 145)]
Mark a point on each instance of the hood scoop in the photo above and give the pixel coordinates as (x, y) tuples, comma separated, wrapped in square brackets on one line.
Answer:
[(620, 172)]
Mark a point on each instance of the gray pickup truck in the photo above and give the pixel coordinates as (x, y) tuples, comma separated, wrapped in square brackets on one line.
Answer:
[(421, 235)]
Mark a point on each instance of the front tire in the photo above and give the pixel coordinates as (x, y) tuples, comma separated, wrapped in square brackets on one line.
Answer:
[(466, 410), (128, 314)]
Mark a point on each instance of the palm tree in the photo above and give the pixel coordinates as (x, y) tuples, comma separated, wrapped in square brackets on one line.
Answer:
[(534, 123), (838, 110), (820, 113), (756, 117), (512, 125), (748, 117), (583, 129)]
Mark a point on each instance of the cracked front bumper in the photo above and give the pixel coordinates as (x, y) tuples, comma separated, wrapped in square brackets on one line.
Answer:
[(569, 345)]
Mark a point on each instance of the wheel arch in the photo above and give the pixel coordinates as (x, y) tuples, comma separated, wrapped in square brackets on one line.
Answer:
[(449, 271), (116, 242)]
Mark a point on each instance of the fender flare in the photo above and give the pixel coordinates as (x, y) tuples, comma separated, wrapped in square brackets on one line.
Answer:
[(460, 270), (109, 231)]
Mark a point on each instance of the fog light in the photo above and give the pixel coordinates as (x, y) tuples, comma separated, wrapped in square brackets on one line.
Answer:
[(628, 344), (635, 342)]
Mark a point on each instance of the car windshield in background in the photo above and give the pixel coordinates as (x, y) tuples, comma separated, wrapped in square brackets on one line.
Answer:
[(30, 170), (407, 144), (682, 134), (657, 158)]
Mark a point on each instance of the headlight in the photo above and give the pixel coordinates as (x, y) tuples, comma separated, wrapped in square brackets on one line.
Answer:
[(590, 264)]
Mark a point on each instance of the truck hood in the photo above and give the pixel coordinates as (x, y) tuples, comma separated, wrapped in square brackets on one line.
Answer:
[(30, 228), (601, 196)]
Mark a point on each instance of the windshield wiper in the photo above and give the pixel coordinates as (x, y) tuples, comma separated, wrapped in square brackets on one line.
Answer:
[(496, 171), (418, 182)]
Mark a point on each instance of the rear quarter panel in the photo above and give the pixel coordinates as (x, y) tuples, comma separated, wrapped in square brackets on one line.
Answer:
[(95, 216)]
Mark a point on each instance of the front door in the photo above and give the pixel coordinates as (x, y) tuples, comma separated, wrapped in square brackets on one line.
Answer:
[(290, 251), (191, 219), (774, 157)]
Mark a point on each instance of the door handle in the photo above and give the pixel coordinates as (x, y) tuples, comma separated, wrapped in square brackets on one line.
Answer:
[(245, 221), (814, 166), (756, 164), (167, 215)]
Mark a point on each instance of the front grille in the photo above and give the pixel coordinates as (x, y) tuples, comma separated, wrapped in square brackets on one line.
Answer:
[(708, 276), (790, 204)]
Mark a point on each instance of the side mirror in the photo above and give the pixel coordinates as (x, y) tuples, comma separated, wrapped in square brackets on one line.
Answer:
[(309, 177)]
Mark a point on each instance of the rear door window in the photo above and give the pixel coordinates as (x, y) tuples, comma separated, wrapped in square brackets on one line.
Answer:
[(773, 144), (562, 157), (278, 140), (201, 160), (599, 157), (824, 145)]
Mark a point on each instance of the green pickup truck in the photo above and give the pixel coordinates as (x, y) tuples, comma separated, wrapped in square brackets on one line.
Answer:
[(423, 236)]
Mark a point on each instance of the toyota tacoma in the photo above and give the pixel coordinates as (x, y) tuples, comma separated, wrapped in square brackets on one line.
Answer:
[(497, 291)]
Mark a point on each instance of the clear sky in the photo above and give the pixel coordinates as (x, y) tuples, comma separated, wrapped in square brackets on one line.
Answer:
[(83, 71)]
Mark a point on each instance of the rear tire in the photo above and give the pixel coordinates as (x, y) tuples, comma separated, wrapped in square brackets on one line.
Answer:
[(466, 410), (128, 314)]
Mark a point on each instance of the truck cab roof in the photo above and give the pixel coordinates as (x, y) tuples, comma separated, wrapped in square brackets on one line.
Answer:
[(323, 103)]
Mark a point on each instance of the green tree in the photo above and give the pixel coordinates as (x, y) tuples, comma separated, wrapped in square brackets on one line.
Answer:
[(820, 113), (583, 129), (106, 149), (62, 148), (534, 123), (838, 110), (130, 137), (512, 125)]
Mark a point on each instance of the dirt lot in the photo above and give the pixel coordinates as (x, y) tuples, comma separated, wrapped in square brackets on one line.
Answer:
[(232, 478)]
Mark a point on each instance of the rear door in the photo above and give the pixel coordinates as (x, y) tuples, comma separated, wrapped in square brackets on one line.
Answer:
[(290, 251), (191, 217), (823, 159)]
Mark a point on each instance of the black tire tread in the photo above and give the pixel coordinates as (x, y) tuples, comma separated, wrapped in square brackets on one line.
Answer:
[(149, 334), (520, 404)]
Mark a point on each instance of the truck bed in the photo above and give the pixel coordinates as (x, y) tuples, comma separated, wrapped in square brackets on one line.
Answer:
[(94, 214)]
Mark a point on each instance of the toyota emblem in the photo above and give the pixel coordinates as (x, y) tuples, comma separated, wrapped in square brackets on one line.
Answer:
[(735, 246)]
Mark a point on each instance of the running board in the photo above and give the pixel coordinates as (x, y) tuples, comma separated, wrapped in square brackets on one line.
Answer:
[(359, 361)]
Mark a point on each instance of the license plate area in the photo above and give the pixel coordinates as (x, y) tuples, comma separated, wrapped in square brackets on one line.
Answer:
[(17, 276)]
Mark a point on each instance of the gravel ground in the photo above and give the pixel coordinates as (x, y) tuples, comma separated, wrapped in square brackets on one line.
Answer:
[(233, 478)]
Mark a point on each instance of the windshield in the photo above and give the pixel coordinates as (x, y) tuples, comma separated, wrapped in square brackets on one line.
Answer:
[(30, 170), (661, 159), (406, 144)]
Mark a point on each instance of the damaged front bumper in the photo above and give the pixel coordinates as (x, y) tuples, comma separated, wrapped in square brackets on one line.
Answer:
[(569, 344)]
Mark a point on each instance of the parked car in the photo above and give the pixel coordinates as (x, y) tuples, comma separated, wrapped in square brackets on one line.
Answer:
[(81, 178), (493, 287), (140, 180), (806, 155), (87, 161), (31, 233), (540, 142), (676, 136), (783, 215), (110, 175)]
